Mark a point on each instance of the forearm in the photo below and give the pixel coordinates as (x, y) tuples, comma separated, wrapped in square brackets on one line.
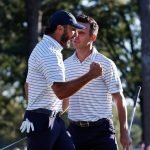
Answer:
[(122, 114), (122, 111), (66, 89)]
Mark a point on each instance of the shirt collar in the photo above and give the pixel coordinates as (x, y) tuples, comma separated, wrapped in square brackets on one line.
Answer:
[(92, 56), (53, 42)]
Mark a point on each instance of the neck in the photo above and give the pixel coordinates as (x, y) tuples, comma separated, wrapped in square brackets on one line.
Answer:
[(57, 38), (83, 53)]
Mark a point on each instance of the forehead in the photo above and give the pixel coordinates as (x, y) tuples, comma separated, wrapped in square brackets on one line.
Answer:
[(87, 25)]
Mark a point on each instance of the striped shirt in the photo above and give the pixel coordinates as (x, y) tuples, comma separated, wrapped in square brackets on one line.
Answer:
[(94, 100), (45, 66)]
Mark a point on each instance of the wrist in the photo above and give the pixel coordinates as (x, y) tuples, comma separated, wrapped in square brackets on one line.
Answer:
[(90, 75), (123, 130)]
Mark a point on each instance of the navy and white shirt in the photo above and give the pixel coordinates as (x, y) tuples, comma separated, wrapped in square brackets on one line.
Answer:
[(45, 66), (94, 100)]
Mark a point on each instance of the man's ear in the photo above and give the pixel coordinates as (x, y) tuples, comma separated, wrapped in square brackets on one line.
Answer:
[(60, 28), (93, 37)]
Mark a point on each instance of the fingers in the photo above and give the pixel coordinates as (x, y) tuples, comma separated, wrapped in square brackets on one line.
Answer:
[(32, 127), (51, 122), (26, 126), (23, 127), (96, 64), (127, 146), (95, 70), (126, 140)]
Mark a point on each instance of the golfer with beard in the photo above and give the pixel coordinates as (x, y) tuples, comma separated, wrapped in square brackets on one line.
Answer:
[(46, 87)]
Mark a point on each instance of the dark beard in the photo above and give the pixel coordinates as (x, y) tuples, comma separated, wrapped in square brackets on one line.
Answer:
[(65, 40)]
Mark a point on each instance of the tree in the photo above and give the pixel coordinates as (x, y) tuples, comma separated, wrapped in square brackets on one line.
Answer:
[(12, 66), (145, 25), (20, 32), (32, 14)]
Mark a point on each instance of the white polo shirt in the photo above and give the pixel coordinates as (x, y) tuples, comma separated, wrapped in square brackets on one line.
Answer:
[(45, 66), (94, 100)]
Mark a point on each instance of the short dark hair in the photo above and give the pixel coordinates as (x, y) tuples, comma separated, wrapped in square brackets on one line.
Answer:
[(87, 19), (50, 30)]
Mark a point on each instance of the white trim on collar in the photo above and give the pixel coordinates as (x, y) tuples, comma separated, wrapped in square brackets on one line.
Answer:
[(55, 43), (92, 56)]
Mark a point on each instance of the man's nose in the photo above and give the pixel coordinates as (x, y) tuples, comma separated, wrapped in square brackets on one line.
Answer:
[(75, 34)]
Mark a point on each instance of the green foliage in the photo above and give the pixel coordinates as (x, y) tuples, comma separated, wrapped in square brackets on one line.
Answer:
[(11, 97), (12, 29), (118, 39)]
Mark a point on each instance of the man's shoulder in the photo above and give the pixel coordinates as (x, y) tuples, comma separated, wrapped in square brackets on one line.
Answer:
[(69, 59), (39, 55), (44, 50), (103, 58)]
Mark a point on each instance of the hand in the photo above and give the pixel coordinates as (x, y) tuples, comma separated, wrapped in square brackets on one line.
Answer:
[(95, 70), (51, 122), (26, 126), (125, 140)]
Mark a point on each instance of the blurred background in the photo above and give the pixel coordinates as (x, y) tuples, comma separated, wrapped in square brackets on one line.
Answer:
[(124, 37)]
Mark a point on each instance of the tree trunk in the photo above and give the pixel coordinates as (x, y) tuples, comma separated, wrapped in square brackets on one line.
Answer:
[(32, 9), (33, 26), (145, 25)]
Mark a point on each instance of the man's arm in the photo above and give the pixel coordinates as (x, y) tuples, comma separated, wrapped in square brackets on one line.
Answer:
[(66, 89), (122, 114)]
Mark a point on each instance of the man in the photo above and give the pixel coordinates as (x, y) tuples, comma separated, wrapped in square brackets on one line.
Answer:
[(46, 86), (90, 109)]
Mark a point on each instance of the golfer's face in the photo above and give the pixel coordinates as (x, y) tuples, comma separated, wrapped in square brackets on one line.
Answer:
[(69, 34), (84, 38)]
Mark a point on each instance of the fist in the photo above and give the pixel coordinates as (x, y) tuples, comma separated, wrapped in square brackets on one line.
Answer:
[(95, 70)]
